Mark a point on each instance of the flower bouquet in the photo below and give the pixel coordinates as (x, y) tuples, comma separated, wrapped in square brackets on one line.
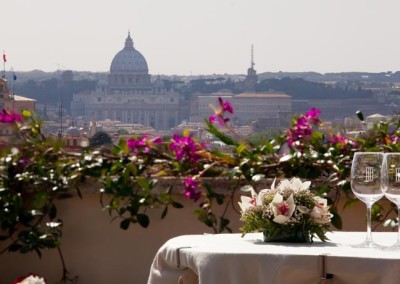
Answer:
[(30, 279), (286, 213)]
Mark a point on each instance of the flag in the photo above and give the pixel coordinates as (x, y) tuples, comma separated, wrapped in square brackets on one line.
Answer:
[(4, 57), (14, 77)]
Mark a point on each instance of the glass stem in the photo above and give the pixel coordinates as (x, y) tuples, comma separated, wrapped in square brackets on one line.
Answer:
[(369, 234), (398, 224)]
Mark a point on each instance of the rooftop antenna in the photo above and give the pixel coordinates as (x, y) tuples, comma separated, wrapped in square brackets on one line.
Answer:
[(252, 57)]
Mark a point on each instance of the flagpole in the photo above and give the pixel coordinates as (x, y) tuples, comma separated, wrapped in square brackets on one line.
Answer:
[(4, 64)]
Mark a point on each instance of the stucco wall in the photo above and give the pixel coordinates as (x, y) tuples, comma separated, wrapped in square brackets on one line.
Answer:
[(98, 251)]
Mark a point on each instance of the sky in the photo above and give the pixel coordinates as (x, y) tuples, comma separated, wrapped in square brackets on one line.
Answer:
[(199, 37)]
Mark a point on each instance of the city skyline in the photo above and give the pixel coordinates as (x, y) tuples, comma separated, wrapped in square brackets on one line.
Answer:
[(203, 37)]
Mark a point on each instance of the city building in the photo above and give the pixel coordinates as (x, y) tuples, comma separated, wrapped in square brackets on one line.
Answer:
[(202, 105), (263, 111), (130, 96), (269, 107), (12, 103)]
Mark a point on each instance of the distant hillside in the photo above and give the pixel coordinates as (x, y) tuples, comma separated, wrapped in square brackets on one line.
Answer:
[(301, 89), (50, 91), (366, 77)]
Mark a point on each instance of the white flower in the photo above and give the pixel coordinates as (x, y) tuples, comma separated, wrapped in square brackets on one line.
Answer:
[(286, 206), (296, 184), (32, 280), (320, 212), (303, 209), (248, 202), (282, 209)]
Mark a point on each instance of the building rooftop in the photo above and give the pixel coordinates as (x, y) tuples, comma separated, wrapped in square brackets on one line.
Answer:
[(20, 98), (262, 95)]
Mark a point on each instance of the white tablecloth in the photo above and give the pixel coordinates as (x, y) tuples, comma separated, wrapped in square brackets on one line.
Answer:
[(229, 258)]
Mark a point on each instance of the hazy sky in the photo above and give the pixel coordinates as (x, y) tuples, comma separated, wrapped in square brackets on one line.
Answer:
[(186, 37)]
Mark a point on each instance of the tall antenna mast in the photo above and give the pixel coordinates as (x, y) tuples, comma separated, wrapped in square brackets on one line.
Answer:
[(252, 57)]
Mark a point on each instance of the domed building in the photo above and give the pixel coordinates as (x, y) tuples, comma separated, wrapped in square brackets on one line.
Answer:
[(129, 70), (130, 96)]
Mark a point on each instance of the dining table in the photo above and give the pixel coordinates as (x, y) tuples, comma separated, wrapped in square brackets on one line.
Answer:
[(241, 259)]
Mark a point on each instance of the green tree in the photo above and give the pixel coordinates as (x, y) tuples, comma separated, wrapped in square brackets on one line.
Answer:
[(100, 138)]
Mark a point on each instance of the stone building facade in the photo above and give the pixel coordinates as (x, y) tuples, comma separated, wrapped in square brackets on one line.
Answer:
[(254, 106), (264, 111)]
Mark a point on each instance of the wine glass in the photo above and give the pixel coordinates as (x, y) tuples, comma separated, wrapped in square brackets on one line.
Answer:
[(391, 182), (366, 184)]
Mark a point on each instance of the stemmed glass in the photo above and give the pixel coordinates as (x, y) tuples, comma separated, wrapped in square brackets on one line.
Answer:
[(366, 184), (391, 185)]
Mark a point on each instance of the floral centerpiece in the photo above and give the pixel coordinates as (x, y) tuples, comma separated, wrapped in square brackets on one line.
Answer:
[(289, 212), (30, 279)]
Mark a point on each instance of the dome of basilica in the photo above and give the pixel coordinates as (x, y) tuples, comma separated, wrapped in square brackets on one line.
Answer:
[(73, 131), (129, 60)]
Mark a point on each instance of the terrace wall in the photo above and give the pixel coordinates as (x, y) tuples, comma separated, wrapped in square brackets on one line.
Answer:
[(98, 251)]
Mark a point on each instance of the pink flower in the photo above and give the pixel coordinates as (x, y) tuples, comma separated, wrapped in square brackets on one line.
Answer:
[(219, 115), (226, 106), (142, 143), (7, 117), (394, 138), (191, 189), (185, 148), (303, 127), (312, 115), (342, 142)]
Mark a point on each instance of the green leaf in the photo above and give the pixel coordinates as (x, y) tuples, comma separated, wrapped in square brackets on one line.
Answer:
[(176, 204), (78, 191), (64, 195), (164, 213), (40, 199), (123, 145), (223, 223), (350, 202), (221, 136), (220, 198), (203, 217), (143, 220), (124, 225), (14, 247), (336, 220), (241, 148), (52, 212), (143, 182)]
